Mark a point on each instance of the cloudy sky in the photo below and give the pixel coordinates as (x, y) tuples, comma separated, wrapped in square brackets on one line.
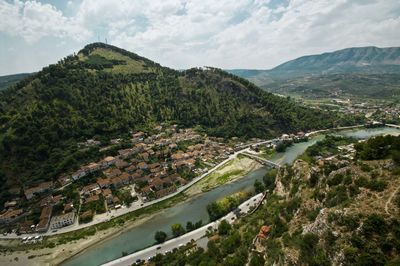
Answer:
[(187, 33)]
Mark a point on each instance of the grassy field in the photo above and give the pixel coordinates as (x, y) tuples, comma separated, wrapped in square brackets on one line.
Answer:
[(131, 66), (230, 171)]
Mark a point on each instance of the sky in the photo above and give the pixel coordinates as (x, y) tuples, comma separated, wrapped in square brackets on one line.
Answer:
[(255, 34)]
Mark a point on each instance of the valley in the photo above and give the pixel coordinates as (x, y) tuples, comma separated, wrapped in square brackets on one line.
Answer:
[(119, 147)]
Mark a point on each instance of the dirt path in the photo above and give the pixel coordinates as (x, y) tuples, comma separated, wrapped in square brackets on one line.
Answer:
[(390, 200)]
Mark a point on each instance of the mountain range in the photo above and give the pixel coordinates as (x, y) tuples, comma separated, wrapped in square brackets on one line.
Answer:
[(370, 72), (105, 92)]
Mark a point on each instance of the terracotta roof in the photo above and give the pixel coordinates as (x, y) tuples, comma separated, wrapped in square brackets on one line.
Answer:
[(154, 165), (11, 213), (103, 182), (46, 212), (125, 177), (109, 159), (89, 187), (92, 198), (107, 192), (156, 182)]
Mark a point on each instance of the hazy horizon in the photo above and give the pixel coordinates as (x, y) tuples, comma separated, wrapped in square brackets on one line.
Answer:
[(245, 34)]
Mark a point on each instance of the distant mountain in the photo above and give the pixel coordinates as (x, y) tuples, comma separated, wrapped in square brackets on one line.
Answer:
[(350, 60), (7, 81), (353, 66), (105, 92)]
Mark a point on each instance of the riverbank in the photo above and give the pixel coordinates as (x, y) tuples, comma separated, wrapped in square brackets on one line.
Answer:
[(60, 253), (104, 247), (63, 252), (246, 207), (42, 254), (227, 173)]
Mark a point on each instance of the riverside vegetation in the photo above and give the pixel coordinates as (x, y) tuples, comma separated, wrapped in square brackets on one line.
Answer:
[(331, 208)]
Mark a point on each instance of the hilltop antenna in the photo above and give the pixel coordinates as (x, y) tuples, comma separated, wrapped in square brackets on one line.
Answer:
[(106, 40)]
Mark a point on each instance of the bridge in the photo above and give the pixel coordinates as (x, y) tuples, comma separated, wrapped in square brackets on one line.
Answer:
[(261, 160), (392, 125)]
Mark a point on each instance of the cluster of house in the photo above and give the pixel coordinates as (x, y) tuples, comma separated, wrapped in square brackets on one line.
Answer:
[(48, 219), (152, 164), (155, 166), (300, 136), (12, 212)]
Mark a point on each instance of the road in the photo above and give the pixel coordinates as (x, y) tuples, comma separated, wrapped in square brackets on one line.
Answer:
[(169, 245), (124, 210), (139, 204)]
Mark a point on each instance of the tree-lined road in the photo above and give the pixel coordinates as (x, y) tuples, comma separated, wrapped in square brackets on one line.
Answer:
[(169, 245)]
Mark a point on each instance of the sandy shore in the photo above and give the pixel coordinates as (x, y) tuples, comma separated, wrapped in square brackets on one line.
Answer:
[(60, 253), (240, 166)]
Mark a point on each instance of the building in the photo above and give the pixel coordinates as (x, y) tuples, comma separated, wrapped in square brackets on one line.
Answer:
[(108, 161), (92, 167), (12, 203), (78, 174), (64, 180), (41, 188), (44, 219), (143, 165), (63, 220), (90, 189), (10, 215), (111, 173), (103, 182)]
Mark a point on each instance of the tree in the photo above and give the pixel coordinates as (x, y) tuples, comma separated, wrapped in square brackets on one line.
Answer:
[(269, 179), (257, 260), (224, 227), (258, 187), (189, 226), (160, 237), (177, 230)]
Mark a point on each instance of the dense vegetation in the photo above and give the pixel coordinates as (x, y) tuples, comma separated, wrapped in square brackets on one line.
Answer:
[(105, 92), (225, 205), (381, 147), (326, 214)]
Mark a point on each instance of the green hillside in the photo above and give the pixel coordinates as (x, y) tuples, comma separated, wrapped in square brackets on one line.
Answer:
[(105, 92), (329, 211), (7, 81)]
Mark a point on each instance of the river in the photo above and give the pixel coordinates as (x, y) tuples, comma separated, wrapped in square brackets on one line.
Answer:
[(194, 209)]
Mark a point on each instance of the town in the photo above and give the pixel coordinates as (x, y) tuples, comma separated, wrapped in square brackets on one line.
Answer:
[(155, 166)]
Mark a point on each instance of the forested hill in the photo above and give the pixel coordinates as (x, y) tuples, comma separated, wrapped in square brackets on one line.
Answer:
[(7, 81), (104, 92)]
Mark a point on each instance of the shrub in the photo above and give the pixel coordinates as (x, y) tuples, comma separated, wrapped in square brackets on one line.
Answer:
[(374, 224), (336, 180), (377, 185), (160, 237), (224, 227)]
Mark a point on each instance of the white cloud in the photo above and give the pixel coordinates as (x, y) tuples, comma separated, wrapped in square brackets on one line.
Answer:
[(224, 33), (32, 21)]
